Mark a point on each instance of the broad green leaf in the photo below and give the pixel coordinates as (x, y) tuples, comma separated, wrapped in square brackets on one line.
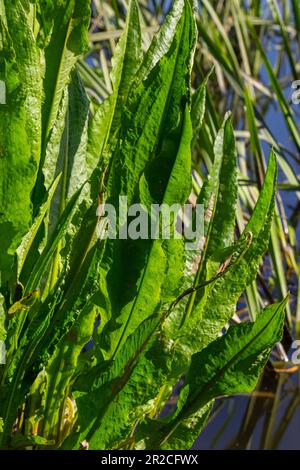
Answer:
[(175, 156), (105, 383), (139, 339), (55, 148), (189, 429), (68, 23), (183, 437), (103, 129), (104, 330), (122, 400), (159, 369), (124, 361), (63, 36), (67, 153), (230, 364), (217, 305), (188, 341), (75, 165), (218, 196), (162, 41), (20, 127), (158, 138), (125, 62)]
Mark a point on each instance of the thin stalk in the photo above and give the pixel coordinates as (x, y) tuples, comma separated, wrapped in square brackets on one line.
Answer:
[(268, 440)]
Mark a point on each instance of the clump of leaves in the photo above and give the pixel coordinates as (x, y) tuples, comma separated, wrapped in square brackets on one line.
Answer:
[(154, 313)]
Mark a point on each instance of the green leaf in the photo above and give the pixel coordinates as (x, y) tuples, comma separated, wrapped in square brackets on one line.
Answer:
[(115, 370), (162, 41), (157, 138), (183, 437), (125, 62), (102, 132), (64, 30), (20, 127), (217, 304), (230, 364), (219, 193), (218, 196), (67, 153), (119, 402), (75, 164), (171, 141), (68, 22), (198, 105), (189, 429)]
